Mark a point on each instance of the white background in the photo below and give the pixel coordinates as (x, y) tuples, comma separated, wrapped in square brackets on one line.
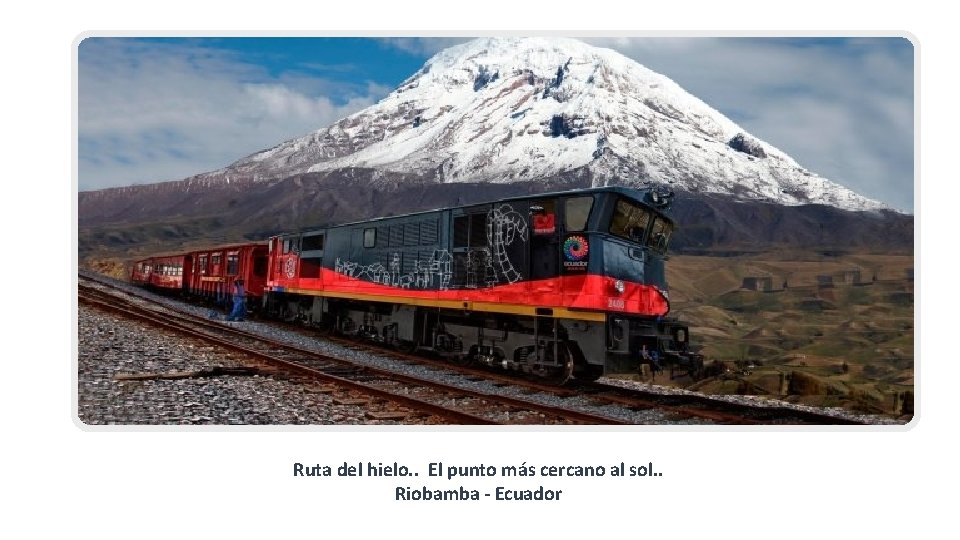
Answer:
[(730, 483)]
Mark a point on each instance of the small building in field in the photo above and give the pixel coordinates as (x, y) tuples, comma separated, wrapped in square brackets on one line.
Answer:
[(850, 277), (757, 283)]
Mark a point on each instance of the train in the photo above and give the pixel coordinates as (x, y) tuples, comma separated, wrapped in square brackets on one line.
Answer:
[(559, 285), (207, 273)]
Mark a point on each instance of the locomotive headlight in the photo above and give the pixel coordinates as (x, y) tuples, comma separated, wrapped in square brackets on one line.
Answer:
[(619, 286), (665, 293)]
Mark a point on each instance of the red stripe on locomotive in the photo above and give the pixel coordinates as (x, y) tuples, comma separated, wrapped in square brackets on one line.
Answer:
[(582, 291)]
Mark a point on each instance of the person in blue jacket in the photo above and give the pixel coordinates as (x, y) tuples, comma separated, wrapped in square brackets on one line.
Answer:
[(239, 302)]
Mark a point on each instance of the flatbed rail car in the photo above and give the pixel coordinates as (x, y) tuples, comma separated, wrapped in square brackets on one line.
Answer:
[(559, 284)]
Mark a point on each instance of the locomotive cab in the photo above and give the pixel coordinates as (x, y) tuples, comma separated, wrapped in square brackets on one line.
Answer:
[(635, 244)]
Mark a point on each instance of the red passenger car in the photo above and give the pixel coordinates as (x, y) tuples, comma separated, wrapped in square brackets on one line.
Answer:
[(170, 272), (140, 275), (214, 270)]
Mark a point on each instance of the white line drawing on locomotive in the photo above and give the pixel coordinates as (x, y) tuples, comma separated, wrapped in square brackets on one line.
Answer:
[(477, 260), (345, 267), (438, 266), (503, 225), (441, 265)]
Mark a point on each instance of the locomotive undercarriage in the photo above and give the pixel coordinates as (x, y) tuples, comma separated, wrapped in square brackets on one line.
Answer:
[(547, 347), (657, 342), (540, 346)]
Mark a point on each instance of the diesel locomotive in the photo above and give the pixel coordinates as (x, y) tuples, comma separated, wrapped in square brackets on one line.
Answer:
[(560, 285)]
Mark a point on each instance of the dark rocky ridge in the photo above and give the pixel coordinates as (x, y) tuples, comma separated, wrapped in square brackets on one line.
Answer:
[(175, 214)]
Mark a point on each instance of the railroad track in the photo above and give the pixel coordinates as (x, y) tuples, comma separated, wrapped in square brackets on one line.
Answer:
[(675, 407), (719, 410), (451, 403)]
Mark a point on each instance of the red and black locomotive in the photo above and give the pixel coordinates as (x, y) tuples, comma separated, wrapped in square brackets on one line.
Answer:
[(562, 284)]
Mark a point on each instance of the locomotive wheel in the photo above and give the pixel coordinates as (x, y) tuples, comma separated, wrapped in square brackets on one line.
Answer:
[(324, 326), (405, 346), (560, 375), (461, 359)]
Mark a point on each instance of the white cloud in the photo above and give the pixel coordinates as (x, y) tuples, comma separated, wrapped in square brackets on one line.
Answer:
[(158, 111), (422, 45), (843, 112)]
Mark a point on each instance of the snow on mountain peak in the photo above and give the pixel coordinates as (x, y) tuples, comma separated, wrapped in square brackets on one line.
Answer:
[(518, 109)]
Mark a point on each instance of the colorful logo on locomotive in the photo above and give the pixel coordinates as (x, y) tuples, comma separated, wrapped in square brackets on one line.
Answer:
[(576, 250)]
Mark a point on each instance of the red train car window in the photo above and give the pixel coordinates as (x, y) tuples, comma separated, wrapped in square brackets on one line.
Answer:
[(233, 264)]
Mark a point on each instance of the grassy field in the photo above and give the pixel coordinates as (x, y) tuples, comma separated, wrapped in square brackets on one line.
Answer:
[(834, 330)]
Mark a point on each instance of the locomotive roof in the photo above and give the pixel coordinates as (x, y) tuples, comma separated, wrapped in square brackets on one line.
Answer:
[(633, 193)]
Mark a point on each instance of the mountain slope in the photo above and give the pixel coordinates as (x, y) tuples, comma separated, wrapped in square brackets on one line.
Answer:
[(520, 109)]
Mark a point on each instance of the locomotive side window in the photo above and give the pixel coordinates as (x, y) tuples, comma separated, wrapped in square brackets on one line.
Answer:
[(630, 221), (576, 212), (370, 237), (202, 265), (660, 235), (313, 243)]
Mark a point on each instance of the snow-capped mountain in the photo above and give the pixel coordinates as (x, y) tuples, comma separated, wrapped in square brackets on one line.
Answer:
[(518, 109)]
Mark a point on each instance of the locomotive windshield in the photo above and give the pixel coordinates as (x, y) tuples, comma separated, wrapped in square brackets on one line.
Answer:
[(660, 235), (630, 221), (639, 224)]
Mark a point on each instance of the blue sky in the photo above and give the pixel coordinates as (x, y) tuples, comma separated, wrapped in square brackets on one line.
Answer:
[(155, 109)]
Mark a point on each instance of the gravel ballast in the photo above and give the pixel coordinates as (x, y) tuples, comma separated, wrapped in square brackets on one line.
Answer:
[(112, 346)]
